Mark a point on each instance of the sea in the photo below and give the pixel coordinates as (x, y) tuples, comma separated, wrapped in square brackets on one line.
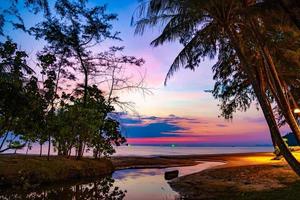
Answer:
[(152, 151), (146, 151)]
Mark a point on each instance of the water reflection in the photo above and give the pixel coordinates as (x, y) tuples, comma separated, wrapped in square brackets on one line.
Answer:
[(150, 184), (129, 184), (102, 188)]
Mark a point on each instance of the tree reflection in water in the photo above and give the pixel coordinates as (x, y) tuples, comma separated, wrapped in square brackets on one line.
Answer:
[(102, 188)]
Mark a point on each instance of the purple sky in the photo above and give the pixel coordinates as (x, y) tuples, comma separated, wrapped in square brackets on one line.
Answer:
[(180, 112)]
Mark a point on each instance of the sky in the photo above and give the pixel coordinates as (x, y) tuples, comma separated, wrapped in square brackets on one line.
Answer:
[(180, 113)]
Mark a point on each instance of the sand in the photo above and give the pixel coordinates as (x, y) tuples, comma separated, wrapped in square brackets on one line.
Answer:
[(244, 176)]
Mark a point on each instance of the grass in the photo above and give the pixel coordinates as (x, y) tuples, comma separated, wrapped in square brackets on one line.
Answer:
[(290, 192), (32, 171), (19, 170)]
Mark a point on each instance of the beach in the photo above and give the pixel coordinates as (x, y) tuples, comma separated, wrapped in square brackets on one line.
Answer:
[(239, 176), (243, 176)]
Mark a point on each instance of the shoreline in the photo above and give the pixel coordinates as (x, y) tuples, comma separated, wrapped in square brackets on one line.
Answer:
[(32, 171), (237, 172), (243, 176)]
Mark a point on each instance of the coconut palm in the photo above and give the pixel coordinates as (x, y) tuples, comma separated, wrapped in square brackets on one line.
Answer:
[(259, 28), (204, 27)]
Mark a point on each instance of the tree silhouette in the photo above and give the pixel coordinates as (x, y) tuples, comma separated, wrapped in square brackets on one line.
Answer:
[(206, 28), (101, 188)]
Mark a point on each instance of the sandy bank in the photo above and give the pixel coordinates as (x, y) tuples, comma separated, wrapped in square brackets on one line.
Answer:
[(153, 162), (244, 176)]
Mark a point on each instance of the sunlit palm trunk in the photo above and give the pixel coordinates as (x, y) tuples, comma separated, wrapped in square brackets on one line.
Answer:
[(274, 130), (265, 105)]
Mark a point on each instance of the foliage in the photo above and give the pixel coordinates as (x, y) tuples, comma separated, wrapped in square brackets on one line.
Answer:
[(28, 111), (58, 108), (89, 121), (250, 39), (14, 103)]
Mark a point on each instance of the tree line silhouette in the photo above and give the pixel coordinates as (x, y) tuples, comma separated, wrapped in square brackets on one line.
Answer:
[(69, 100)]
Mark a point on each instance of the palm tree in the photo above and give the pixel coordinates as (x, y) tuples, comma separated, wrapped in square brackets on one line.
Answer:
[(202, 26), (276, 82), (292, 9)]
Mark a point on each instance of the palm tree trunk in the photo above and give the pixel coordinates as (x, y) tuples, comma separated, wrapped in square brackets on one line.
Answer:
[(279, 94), (282, 101), (265, 104), (270, 118)]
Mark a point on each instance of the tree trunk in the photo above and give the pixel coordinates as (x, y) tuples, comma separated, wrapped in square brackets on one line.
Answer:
[(85, 96), (79, 150), (83, 149), (69, 153), (49, 146), (27, 149), (278, 89), (265, 105), (283, 101), (279, 94), (270, 118), (41, 149)]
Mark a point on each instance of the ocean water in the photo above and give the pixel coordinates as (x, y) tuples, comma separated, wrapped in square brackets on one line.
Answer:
[(167, 150), (149, 151)]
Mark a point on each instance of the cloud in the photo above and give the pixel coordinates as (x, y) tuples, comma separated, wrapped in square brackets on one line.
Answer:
[(156, 129), (193, 130), (151, 126)]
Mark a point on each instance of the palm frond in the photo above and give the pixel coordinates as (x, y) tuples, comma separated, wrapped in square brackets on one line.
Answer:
[(200, 46)]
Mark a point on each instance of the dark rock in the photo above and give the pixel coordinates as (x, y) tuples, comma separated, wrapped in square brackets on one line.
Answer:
[(171, 174)]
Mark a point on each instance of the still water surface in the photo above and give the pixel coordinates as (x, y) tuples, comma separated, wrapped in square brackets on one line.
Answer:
[(150, 184), (178, 150), (129, 184), (164, 150)]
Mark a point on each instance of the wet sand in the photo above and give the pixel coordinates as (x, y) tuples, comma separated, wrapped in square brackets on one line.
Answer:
[(244, 176)]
